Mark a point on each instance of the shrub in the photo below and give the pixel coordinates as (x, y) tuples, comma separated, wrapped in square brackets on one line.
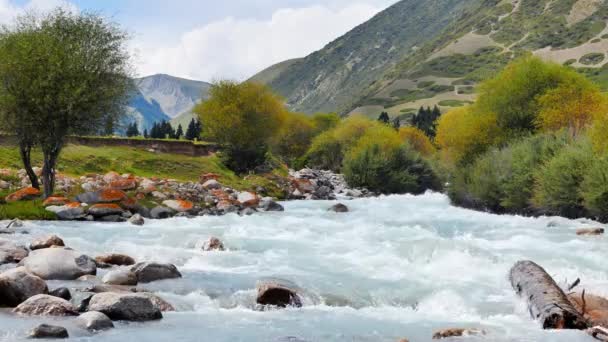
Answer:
[(487, 177), (294, 137), (559, 180), (594, 189), (462, 135), (417, 140), (389, 169)]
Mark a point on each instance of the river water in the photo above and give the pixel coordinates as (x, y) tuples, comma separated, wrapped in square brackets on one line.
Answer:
[(394, 267)]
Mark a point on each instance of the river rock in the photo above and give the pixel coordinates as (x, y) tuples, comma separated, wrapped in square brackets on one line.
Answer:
[(115, 259), (179, 205), (69, 212), (54, 200), (120, 277), (150, 271), (105, 209), (112, 218), (248, 211), (111, 177), (456, 332), (125, 307), (11, 253), (159, 213), (277, 292), (213, 244), (102, 196), (268, 204), (158, 302), (94, 321), (47, 242), (59, 264), (124, 184), (17, 285), (212, 184), (45, 305), (48, 332), (590, 231), (61, 292), (24, 194), (339, 208), (137, 220), (248, 199)]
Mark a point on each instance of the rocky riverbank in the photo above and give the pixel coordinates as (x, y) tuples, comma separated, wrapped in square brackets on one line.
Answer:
[(112, 197)]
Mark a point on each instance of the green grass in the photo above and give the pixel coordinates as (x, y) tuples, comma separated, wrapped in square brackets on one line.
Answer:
[(453, 103), (26, 210), (76, 160), (466, 90)]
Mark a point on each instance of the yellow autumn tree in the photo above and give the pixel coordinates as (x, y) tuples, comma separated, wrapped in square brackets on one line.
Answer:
[(294, 136), (417, 140), (573, 105), (463, 134)]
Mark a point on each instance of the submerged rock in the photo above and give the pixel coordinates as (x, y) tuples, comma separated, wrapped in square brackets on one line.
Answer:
[(59, 264), (95, 321), (47, 242), (125, 307), (456, 332), (590, 231), (268, 204), (150, 271), (137, 220), (17, 285), (213, 244), (278, 292), (49, 331), (46, 305), (339, 208)]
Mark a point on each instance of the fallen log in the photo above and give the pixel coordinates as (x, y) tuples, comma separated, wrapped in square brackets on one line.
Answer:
[(546, 301), (599, 333)]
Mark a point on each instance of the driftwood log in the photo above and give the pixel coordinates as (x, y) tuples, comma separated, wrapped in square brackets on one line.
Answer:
[(546, 300)]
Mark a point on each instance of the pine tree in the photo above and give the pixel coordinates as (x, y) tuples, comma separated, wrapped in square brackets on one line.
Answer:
[(396, 123), (132, 130), (146, 133), (180, 132), (384, 118), (191, 132)]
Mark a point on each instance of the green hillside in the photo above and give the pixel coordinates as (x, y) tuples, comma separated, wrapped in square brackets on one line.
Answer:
[(425, 53)]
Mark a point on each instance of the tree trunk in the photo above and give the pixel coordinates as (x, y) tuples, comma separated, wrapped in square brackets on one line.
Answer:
[(546, 301), (48, 170), (25, 150)]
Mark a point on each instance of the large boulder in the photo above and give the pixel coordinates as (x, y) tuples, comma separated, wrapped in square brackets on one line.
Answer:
[(45, 331), (95, 321), (68, 212), (61, 292), (125, 307), (105, 209), (102, 196), (46, 305), (268, 204), (47, 242), (179, 205), (159, 213), (55, 200), (248, 199), (158, 302), (278, 292), (115, 259), (10, 252), (24, 194), (150, 271), (17, 285), (120, 277), (59, 264)]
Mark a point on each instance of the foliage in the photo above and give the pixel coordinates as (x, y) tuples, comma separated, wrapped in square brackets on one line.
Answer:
[(416, 138), (193, 132), (162, 130), (243, 117), (558, 181), (388, 168), (512, 95), (592, 58), (462, 135), (62, 73), (571, 105), (325, 121), (594, 188), (384, 118), (294, 137), (132, 130), (426, 120)]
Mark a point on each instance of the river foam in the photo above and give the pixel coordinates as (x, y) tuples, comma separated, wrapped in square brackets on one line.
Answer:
[(394, 267)]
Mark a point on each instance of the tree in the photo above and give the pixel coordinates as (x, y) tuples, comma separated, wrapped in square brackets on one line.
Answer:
[(243, 117), (384, 118), (396, 123), (146, 133), (61, 73), (294, 138), (180, 132), (417, 140), (192, 132), (426, 120), (132, 130)]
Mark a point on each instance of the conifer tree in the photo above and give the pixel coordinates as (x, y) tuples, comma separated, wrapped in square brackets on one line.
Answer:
[(384, 118), (180, 132)]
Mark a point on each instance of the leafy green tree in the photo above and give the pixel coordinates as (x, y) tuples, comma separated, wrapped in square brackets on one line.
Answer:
[(325, 121), (244, 117), (61, 73), (595, 189)]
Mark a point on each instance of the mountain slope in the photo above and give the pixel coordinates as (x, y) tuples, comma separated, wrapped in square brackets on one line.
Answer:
[(433, 52), (163, 97)]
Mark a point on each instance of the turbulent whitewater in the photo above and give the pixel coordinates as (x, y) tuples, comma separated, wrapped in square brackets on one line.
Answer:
[(394, 267)]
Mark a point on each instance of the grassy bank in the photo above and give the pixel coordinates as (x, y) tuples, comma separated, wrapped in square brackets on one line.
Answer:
[(77, 160)]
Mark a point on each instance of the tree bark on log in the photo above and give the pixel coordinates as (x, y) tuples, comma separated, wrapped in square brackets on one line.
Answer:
[(546, 300)]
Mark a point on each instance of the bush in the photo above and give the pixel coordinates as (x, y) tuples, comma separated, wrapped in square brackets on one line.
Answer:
[(294, 137), (487, 177), (558, 181), (389, 169), (594, 189), (417, 140)]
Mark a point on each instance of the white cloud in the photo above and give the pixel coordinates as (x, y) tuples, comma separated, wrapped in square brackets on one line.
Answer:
[(233, 48)]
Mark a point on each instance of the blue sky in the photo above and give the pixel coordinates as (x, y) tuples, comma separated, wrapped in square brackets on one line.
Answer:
[(210, 40)]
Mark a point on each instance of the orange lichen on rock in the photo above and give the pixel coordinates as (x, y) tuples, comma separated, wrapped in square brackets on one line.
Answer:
[(23, 194), (55, 200), (106, 206), (124, 184), (112, 195)]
